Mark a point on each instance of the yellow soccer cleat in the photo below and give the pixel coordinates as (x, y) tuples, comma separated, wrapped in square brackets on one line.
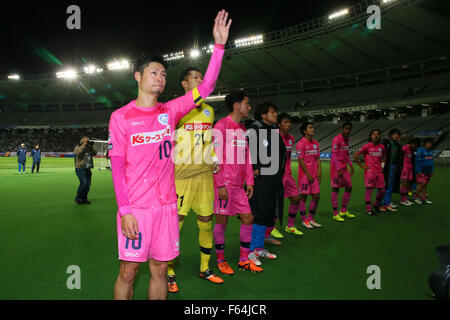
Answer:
[(293, 230), (276, 234), (347, 214), (338, 218)]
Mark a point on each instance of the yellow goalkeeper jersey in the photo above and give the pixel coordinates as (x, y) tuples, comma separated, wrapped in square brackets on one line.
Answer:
[(194, 151)]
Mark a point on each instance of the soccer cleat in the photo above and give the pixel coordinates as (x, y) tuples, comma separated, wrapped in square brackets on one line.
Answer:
[(428, 201), (273, 241), (315, 224), (380, 208), (347, 214), (338, 218), (418, 201), (293, 230), (393, 205), (276, 234), (264, 253), (254, 258), (406, 203), (249, 265), (410, 193), (210, 276), (225, 268), (390, 208), (172, 284), (307, 225)]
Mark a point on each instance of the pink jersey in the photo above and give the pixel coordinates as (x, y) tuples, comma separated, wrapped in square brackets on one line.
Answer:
[(407, 157), (310, 153), (373, 156), (232, 151), (340, 154), (141, 142), (289, 142)]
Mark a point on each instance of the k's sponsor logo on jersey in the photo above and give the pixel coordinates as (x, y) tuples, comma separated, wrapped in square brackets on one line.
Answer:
[(137, 123), (149, 137), (311, 152), (197, 126), (239, 143)]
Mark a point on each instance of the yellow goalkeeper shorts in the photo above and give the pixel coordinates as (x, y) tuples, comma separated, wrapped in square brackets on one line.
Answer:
[(196, 193)]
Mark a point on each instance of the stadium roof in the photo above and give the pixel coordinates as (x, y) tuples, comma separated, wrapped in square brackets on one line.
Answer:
[(412, 41)]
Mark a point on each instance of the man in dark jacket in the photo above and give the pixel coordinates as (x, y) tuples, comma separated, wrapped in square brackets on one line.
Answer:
[(22, 157), (84, 162), (268, 154), (36, 155), (392, 168)]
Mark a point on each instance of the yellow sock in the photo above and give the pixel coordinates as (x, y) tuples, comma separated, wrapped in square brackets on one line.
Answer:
[(205, 238), (171, 263)]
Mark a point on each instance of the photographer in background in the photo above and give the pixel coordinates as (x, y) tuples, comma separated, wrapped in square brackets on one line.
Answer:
[(84, 162)]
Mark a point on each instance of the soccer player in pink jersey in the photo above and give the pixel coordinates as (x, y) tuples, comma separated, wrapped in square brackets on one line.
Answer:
[(290, 186), (309, 174), (340, 177), (407, 174), (233, 155), (374, 157), (140, 144)]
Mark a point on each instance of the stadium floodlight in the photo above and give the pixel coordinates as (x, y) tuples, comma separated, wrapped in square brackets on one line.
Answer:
[(99, 70), (425, 104), (387, 1), (119, 65), (14, 77), (195, 53), (409, 107), (249, 41), (90, 69), (338, 14), (208, 49), (444, 102), (67, 74), (173, 56)]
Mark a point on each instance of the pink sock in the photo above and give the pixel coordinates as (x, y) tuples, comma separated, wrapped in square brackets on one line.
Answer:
[(404, 193), (302, 209), (334, 202), (219, 241), (312, 209), (268, 231), (368, 199), (245, 235), (345, 201), (292, 214), (424, 197), (380, 196)]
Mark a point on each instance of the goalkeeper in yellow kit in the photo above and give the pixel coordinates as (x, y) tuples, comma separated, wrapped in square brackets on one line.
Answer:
[(194, 166)]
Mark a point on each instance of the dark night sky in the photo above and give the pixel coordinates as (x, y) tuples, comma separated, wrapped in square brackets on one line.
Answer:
[(113, 29)]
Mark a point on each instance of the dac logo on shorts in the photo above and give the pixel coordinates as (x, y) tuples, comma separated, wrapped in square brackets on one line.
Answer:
[(163, 118)]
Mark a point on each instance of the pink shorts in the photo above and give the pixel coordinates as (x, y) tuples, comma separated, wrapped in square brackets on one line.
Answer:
[(406, 174), (422, 178), (237, 202), (159, 235), (374, 180), (308, 188), (340, 182), (290, 187)]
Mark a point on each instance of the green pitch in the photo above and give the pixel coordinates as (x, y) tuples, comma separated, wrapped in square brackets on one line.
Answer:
[(44, 231)]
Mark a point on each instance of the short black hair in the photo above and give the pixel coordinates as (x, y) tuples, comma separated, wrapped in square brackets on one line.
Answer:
[(233, 97), (372, 131), (415, 141), (144, 60), (305, 126), (263, 108), (283, 116), (395, 130), (185, 73), (347, 123), (428, 140)]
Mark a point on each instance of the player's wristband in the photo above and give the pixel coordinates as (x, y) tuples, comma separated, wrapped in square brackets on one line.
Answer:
[(219, 46)]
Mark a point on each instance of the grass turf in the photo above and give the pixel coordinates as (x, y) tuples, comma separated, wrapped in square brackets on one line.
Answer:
[(44, 232)]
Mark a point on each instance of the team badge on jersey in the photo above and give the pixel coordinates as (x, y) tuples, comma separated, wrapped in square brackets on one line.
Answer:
[(315, 147), (163, 118), (290, 141), (206, 112)]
